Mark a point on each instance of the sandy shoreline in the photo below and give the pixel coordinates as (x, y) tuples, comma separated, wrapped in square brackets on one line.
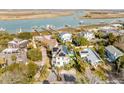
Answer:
[(103, 15), (18, 15)]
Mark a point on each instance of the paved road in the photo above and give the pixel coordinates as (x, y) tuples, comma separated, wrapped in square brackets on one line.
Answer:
[(44, 56), (41, 63), (52, 76), (112, 78), (91, 77)]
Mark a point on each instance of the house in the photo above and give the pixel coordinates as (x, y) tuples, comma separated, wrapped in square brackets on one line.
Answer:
[(113, 53), (61, 56), (10, 50), (87, 35), (108, 31), (116, 25), (106, 27), (7, 54), (18, 48), (90, 56), (112, 29), (47, 39), (17, 43), (65, 37)]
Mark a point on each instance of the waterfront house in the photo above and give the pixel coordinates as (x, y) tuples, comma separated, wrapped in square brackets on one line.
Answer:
[(106, 27), (90, 56), (61, 56), (7, 54), (116, 25), (113, 31), (87, 35), (17, 43), (65, 37), (113, 53), (47, 39), (18, 48)]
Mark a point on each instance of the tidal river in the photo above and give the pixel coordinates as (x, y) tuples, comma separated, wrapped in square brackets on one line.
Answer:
[(13, 26)]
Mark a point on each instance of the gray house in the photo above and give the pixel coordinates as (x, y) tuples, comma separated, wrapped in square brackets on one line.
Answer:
[(90, 56), (17, 43), (113, 53), (61, 56), (88, 35), (18, 48)]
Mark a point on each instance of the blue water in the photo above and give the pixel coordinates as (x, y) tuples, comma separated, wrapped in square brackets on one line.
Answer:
[(13, 26)]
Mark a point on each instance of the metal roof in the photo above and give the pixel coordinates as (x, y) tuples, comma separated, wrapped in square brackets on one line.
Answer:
[(113, 50), (10, 50), (93, 57), (63, 33)]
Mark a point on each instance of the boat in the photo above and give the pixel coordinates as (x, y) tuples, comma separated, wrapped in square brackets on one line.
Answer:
[(2, 29), (81, 22)]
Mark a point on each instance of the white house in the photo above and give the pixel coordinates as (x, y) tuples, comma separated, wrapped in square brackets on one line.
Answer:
[(84, 53), (87, 35), (66, 37), (113, 53), (17, 43), (60, 56), (90, 56), (106, 27), (10, 50), (116, 25)]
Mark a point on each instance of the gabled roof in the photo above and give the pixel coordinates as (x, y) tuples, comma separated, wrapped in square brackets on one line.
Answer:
[(60, 51), (23, 41), (63, 33), (12, 42), (10, 50), (18, 41), (93, 57), (116, 52)]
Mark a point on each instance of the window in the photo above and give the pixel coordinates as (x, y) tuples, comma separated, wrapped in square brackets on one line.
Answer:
[(58, 63), (62, 58), (54, 62)]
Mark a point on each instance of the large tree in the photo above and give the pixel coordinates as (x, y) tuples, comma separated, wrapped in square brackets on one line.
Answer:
[(34, 54), (14, 58), (99, 34), (25, 35), (120, 63), (82, 41), (101, 51), (31, 70), (111, 38)]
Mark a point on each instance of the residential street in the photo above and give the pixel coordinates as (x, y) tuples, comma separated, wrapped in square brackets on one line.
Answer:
[(91, 77), (41, 63)]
